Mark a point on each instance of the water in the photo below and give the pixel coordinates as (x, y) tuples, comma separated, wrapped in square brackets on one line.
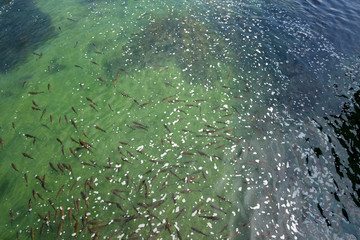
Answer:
[(179, 119)]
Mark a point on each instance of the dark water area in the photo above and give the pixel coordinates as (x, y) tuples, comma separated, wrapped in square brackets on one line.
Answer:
[(23, 27), (180, 119)]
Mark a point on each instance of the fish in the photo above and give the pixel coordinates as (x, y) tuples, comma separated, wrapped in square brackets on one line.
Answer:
[(168, 225), (85, 197), (94, 62), (13, 125), (167, 128), (83, 131), (222, 198), (139, 124), (180, 213), (198, 231), (43, 113), (164, 99), (163, 70), (102, 80), (49, 86), (66, 118), (229, 75), (52, 166), (36, 108), (178, 234), (27, 155), (59, 229), (110, 107), (93, 107), (73, 152), (189, 191), (73, 109), (51, 118), (73, 123), (59, 141), (14, 167), (217, 208), (60, 191), (29, 204), (35, 93), (125, 95), (187, 153), (78, 66), (24, 84), (214, 218), (34, 103), (32, 234), (99, 128), (26, 179), (73, 186), (116, 79)]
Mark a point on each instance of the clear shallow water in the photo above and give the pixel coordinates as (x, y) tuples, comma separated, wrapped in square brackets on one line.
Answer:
[(227, 119)]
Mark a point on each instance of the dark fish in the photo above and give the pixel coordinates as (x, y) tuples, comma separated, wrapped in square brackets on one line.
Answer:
[(217, 208), (83, 131), (73, 123), (59, 229), (125, 95), (59, 141), (102, 80), (74, 110), (32, 235), (78, 66), (164, 99), (52, 166), (99, 52), (110, 107), (187, 153), (66, 118), (34, 103), (166, 127), (180, 213), (49, 86), (199, 100), (13, 125), (144, 104), (50, 118), (163, 70), (26, 155), (93, 62), (139, 124), (198, 231), (60, 191), (73, 152), (34, 93), (189, 191), (178, 234), (99, 128), (26, 179), (210, 218), (14, 167), (43, 113), (93, 107), (222, 198), (168, 225), (2, 142), (73, 186), (24, 84), (36, 108)]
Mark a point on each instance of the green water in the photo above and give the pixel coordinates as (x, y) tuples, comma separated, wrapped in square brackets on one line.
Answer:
[(171, 70)]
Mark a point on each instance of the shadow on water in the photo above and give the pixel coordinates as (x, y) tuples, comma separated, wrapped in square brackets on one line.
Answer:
[(21, 35), (347, 128)]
